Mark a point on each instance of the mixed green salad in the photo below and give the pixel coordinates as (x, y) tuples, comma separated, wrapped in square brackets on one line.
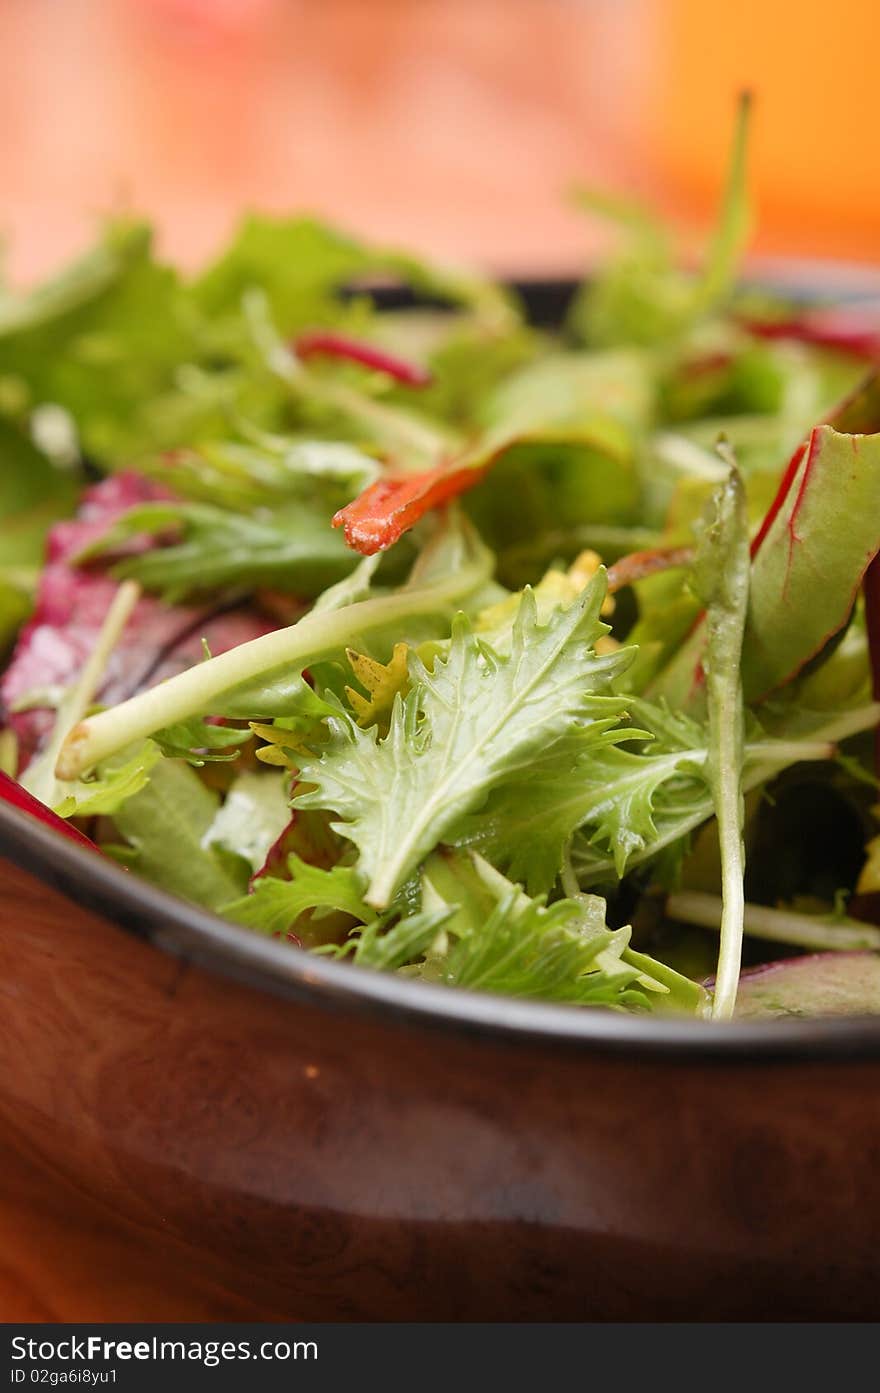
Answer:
[(399, 628)]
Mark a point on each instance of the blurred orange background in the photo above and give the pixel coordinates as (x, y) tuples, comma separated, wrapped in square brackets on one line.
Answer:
[(453, 125)]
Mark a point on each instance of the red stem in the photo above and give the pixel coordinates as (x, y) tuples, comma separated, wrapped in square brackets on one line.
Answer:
[(846, 333), (640, 564), (324, 343), (785, 484), (11, 792)]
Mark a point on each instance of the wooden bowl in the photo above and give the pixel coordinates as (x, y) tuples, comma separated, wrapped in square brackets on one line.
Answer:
[(349, 1145), (365, 1147)]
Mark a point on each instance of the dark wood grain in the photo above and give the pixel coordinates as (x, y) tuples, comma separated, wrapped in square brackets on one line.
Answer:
[(215, 1149), (65, 1257)]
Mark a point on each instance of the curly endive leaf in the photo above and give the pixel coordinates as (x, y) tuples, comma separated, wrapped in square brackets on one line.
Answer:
[(622, 799), (664, 786), (275, 906), (470, 725), (499, 939), (381, 681)]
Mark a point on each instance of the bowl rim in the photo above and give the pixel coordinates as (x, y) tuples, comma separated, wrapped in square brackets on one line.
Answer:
[(201, 938)]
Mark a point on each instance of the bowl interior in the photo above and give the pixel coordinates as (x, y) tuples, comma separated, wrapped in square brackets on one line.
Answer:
[(189, 932)]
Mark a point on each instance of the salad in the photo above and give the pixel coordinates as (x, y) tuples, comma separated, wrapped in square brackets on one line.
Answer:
[(401, 629)]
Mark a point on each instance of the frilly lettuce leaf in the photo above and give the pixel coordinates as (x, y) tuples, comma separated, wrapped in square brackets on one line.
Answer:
[(623, 802), (471, 724), (499, 939), (663, 786), (276, 906)]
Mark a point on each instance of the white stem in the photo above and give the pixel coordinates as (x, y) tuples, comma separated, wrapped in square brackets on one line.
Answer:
[(192, 692), (728, 812), (567, 877), (723, 550), (41, 778), (774, 925)]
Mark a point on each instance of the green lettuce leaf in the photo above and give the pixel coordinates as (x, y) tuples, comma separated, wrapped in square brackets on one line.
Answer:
[(114, 782), (499, 939), (164, 827), (265, 469), (201, 742), (822, 984), (806, 574), (103, 342), (278, 906), (291, 548), (301, 265), (252, 817), (471, 724), (34, 494), (641, 296), (561, 436), (16, 598), (807, 568)]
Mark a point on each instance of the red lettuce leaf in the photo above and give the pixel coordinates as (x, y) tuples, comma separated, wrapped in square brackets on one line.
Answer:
[(159, 640), (11, 792), (823, 536)]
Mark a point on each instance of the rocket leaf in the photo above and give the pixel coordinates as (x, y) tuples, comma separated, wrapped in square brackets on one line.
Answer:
[(722, 583)]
